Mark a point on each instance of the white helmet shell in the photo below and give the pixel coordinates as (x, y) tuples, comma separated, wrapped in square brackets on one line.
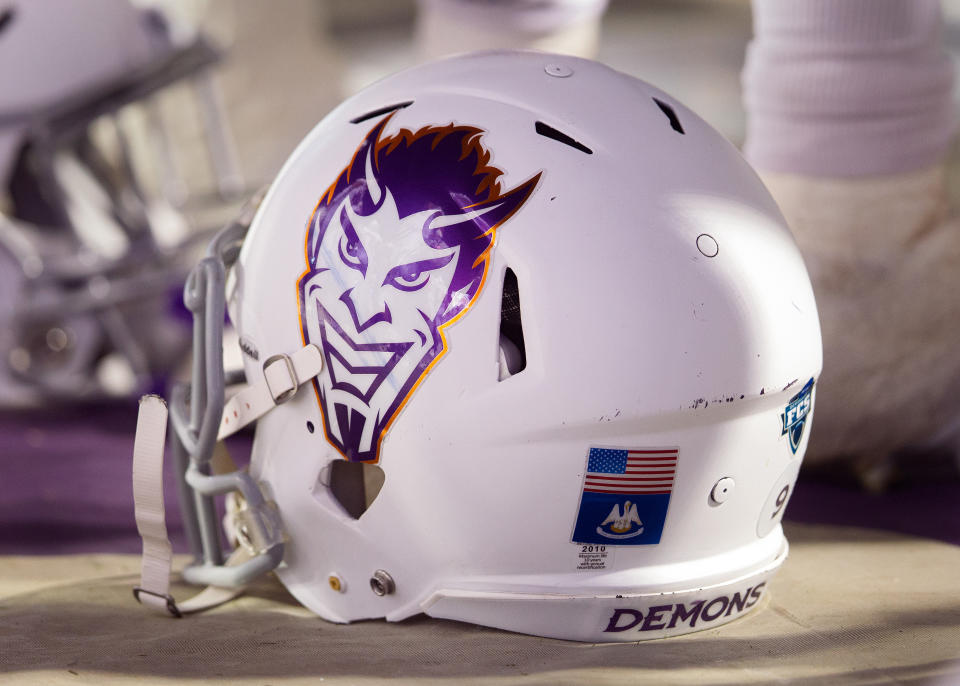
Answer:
[(622, 477)]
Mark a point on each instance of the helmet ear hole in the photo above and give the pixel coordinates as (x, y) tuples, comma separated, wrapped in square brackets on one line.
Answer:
[(513, 353), (355, 485), (511, 359)]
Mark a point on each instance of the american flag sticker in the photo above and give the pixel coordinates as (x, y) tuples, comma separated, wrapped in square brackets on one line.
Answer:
[(625, 496)]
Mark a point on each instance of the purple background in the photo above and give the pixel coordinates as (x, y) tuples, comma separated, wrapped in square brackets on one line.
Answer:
[(65, 487)]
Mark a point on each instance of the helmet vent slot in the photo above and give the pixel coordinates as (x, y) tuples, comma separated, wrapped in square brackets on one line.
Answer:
[(671, 115), (383, 110), (559, 136), (6, 16), (355, 485), (513, 352)]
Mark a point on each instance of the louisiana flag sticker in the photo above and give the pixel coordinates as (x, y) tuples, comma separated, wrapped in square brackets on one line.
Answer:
[(625, 496)]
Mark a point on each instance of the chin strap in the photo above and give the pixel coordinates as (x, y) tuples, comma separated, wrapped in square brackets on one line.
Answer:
[(148, 444), (282, 377), (154, 588)]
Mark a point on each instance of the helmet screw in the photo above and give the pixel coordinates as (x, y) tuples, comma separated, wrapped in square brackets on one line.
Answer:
[(381, 583), (560, 71), (722, 490), (336, 583), (57, 339)]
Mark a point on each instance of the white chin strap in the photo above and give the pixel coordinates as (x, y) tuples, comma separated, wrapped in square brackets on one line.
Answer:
[(282, 377)]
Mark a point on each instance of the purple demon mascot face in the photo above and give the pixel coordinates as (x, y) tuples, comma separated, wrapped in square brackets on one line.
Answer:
[(396, 249)]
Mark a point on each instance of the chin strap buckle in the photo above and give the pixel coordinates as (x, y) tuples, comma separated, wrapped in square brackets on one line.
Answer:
[(256, 529), (157, 600), (284, 378)]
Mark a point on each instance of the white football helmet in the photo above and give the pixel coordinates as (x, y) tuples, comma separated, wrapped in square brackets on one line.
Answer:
[(91, 245), (539, 353)]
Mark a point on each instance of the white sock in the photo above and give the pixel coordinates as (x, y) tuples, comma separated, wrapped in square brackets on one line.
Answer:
[(847, 87), (571, 27)]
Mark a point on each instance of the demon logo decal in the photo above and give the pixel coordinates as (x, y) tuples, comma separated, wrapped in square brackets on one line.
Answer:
[(396, 249)]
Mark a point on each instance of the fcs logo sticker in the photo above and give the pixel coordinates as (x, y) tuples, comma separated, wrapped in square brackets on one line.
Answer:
[(794, 416), (397, 249)]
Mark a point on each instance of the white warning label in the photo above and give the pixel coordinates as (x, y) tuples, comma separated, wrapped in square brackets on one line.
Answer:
[(591, 556)]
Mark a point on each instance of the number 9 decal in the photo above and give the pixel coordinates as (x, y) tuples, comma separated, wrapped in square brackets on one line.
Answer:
[(776, 503), (781, 500)]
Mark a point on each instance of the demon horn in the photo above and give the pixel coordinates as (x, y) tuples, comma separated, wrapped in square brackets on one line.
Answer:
[(451, 219), (493, 212), (373, 183)]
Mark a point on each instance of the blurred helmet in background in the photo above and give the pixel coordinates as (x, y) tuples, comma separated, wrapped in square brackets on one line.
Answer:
[(94, 219)]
